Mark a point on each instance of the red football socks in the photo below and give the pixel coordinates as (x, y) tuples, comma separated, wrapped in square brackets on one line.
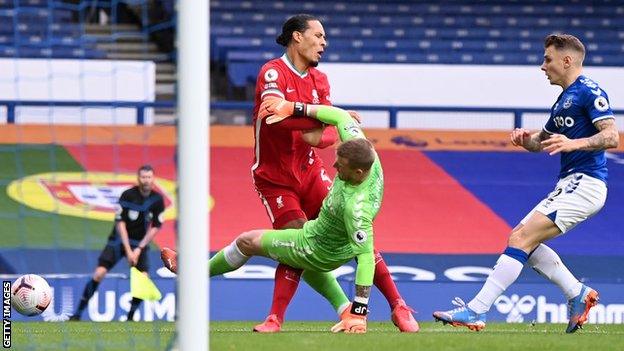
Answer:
[(286, 283), (383, 281)]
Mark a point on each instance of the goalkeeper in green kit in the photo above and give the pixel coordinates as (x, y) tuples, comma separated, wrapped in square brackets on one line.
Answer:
[(344, 228)]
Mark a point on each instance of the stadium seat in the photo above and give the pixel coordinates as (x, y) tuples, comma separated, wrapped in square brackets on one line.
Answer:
[(243, 33)]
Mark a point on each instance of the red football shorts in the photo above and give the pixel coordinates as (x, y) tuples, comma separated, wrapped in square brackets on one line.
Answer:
[(284, 204)]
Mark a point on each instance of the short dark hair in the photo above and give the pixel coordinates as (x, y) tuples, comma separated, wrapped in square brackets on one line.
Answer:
[(296, 23), (359, 152), (565, 42), (145, 168)]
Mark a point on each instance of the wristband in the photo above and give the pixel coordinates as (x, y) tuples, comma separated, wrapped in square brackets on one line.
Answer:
[(299, 109), (359, 309)]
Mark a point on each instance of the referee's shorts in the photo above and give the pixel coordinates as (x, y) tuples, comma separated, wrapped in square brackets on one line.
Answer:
[(114, 251)]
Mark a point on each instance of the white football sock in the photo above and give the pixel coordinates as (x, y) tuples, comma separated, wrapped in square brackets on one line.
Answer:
[(506, 271), (547, 263), (233, 255)]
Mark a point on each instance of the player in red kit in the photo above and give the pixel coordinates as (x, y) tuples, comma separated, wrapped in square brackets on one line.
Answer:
[(288, 175)]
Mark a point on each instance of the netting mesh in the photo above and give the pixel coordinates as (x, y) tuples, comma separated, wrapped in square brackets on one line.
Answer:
[(85, 87)]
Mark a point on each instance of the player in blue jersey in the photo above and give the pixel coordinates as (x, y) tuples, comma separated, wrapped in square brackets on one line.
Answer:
[(581, 126)]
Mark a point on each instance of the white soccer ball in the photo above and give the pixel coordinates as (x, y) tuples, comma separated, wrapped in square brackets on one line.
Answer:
[(30, 295)]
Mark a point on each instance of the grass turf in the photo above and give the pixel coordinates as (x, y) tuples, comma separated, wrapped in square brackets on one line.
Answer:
[(301, 336)]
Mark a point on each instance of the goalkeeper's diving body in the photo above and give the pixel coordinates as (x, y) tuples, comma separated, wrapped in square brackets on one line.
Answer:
[(344, 228)]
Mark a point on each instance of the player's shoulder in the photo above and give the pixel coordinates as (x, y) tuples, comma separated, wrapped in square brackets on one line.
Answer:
[(317, 73), (270, 69), (587, 86)]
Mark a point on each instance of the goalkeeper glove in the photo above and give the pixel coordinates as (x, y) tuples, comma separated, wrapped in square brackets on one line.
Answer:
[(352, 320), (277, 109)]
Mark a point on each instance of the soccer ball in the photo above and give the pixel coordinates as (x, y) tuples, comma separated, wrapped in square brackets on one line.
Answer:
[(30, 295)]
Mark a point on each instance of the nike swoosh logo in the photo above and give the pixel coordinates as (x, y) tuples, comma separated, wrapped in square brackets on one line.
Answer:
[(289, 90)]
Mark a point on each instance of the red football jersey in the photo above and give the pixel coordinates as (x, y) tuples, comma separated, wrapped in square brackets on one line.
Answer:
[(281, 155)]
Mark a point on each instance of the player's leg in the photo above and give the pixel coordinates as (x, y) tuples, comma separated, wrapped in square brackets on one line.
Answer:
[(284, 210), (559, 212), (281, 245), (401, 315), (286, 284), (108, 258), (143, 267), (326, 284), (572, 207), (523, 239), (236, 253)]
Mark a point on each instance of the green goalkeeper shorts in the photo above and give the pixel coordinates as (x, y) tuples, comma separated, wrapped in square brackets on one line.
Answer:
[(289, 246)]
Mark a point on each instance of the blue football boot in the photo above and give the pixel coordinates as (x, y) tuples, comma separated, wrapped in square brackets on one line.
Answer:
[(462, 315), (578, 308)]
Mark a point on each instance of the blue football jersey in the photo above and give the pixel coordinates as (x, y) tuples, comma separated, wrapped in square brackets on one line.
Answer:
[(577, 109)]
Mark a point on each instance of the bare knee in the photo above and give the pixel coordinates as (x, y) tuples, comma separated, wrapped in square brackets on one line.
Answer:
[(249, 242), (100, 273), (522, 239)]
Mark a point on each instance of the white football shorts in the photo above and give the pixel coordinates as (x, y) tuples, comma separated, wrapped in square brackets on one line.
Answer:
[(575, 198)]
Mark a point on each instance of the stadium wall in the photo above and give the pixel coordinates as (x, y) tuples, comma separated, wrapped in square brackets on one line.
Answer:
[(456, 85), (426, 288)]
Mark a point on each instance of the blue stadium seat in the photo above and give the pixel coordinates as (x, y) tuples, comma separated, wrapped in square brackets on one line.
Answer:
[(477, 32)]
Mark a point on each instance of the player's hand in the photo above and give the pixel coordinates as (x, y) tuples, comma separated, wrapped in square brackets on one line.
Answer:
[(519, 135), (559, 143), (356, 116), (275, 109), (350, 323)]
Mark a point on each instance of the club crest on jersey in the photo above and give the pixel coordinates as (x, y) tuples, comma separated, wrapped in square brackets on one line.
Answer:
[(270, 75), (601, 104), (315, 97), (279, 201), (567, 103), (360, 236)]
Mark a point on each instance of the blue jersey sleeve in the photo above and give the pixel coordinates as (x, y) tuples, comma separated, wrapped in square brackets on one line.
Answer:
[(549, 127), (597, 105)]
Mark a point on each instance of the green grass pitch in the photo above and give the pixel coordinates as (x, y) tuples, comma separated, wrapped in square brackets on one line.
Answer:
[(300, 336)]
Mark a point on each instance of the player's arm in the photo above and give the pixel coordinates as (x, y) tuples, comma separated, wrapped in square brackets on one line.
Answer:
[(272, 85), (530, 141), (277, 110), (320, 137), (597, 109), (359, 226), (607, 137)]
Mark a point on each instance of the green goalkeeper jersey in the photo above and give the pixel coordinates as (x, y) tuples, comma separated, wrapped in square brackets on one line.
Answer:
[(344, 228)]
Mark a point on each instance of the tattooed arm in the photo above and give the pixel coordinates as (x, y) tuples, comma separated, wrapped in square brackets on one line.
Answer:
[(607, 137), (531, 142)]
